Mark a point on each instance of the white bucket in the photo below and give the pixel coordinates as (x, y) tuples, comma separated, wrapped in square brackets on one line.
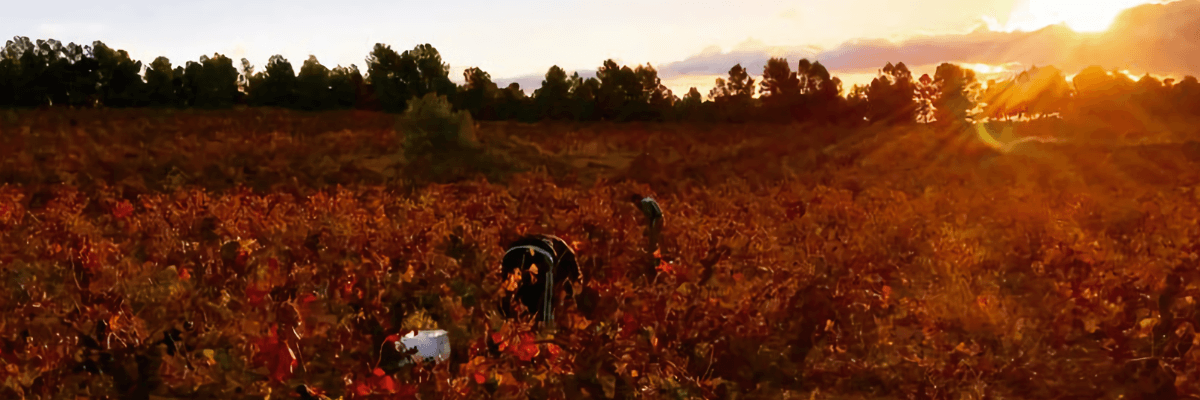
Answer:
[(431, 345)]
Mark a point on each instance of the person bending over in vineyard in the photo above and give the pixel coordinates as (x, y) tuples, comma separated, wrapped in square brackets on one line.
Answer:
[(654, 224), (535, 270)]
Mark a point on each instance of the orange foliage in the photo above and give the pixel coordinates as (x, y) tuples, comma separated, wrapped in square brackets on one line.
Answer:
[(882, 264)]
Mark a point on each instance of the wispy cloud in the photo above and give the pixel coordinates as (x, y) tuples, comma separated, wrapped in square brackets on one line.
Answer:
[(1154, 38)]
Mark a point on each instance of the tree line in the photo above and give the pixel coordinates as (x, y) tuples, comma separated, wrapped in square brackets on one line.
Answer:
[(50, 73)]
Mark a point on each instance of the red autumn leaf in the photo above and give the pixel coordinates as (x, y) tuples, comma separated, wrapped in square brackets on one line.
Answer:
[(664, 267), (386, 384), (283, 364), (378, 371), (480, 378), (361, 389), (266, 346), (255, 293), (554, 350), (498, 339), (526, 351), (123, 209)]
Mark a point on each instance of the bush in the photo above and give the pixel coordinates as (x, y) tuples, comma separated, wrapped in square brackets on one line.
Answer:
[(439, 143), (430, 125)]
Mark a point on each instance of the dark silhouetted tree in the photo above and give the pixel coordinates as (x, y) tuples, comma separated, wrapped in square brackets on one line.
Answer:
[(734, 98), (312, 86), (583, 97), (657, 98), (10, 58), (83, 74), (892, 96), (160, 86), (780, 89), (926, 92), (956, 90), (1093, 86), (477, 95), (276, 85), (820, 93), (1004, 99), (392, 77), (37, 73), (857, 107), (184, 92), (1102, 95), (552, 99), (1049, 90), (39, 79), (620, 92), (690, 107), (1152, 96), (396, 78), (512, 104), (1186, 95), (47, 73), (344, 86), (434, 73), (120, 80), (210, 83)]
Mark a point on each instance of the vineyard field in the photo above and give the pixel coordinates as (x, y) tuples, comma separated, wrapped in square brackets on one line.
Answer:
[(261, 253)]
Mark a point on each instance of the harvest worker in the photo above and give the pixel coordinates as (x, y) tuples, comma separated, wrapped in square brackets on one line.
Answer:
[(654, 224), (654, 217), (535, 269)]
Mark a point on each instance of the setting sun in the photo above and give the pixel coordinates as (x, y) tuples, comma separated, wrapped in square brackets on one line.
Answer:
[(1079, 15)]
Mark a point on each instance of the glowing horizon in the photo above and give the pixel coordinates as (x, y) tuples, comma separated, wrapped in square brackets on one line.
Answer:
[(510, 41), (1085, 16)]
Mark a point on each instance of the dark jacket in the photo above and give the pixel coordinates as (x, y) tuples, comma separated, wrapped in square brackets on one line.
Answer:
[(548, 253)]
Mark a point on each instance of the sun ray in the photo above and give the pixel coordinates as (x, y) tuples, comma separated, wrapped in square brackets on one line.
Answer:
[(1079, 15)]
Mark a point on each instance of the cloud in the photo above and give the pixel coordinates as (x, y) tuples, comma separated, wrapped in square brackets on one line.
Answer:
[(1155, 38), (752, 54)]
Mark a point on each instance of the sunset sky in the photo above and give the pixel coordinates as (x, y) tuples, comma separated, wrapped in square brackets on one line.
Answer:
[(511, 39)]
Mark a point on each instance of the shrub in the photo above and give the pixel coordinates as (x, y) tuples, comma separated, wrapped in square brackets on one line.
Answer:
[(431, 126), (440, 144)]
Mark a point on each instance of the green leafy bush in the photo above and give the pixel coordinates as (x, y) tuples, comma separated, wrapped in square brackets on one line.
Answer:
[(440, 144), (430, 127)]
